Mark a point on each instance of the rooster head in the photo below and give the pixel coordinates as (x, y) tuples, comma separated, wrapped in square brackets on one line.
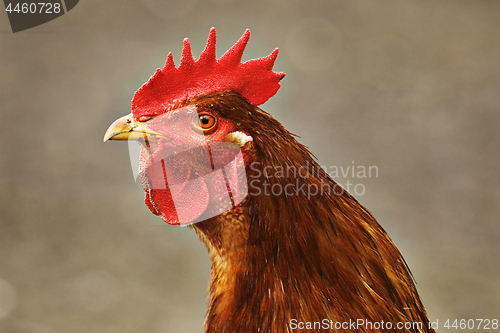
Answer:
[(195, 146)]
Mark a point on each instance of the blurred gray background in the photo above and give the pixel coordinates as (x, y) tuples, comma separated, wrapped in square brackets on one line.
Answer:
[(412, 87)]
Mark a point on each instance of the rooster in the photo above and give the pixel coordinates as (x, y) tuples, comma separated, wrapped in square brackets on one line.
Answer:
[(290, 249)]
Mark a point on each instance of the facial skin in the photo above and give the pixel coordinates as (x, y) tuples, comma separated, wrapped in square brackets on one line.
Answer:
[(188, 169)]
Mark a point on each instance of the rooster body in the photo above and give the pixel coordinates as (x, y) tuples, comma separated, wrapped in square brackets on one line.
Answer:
[(284, 260)]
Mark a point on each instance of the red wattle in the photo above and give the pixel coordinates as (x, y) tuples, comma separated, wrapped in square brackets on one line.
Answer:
[(171, 191)]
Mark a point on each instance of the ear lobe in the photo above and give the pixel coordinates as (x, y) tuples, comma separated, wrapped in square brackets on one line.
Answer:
[(239, 138)]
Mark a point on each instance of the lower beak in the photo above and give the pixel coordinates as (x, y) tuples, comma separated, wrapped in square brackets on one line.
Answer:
[(128, 128)]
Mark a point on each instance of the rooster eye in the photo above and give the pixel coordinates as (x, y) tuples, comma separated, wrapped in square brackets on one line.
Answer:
[(205, 121)]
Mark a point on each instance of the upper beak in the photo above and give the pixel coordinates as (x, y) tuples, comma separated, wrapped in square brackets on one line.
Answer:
[(128, 128)]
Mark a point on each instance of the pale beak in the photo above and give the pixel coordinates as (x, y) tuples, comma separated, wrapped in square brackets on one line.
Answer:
[(128, 128)]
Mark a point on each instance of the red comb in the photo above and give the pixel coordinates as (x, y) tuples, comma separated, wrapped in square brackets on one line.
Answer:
[(253, 79)]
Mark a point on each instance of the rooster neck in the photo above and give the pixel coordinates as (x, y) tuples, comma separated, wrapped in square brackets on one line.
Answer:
[(267, 272), (275, 259), (281, 257), (226, 238)]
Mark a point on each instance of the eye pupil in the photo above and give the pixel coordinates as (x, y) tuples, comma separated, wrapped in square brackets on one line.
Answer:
[(205, 120)]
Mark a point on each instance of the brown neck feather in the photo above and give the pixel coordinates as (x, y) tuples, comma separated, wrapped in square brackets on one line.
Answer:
[(276, 258)]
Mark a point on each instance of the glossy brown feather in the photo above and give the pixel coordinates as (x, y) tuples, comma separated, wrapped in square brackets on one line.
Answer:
[(278, 258)]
